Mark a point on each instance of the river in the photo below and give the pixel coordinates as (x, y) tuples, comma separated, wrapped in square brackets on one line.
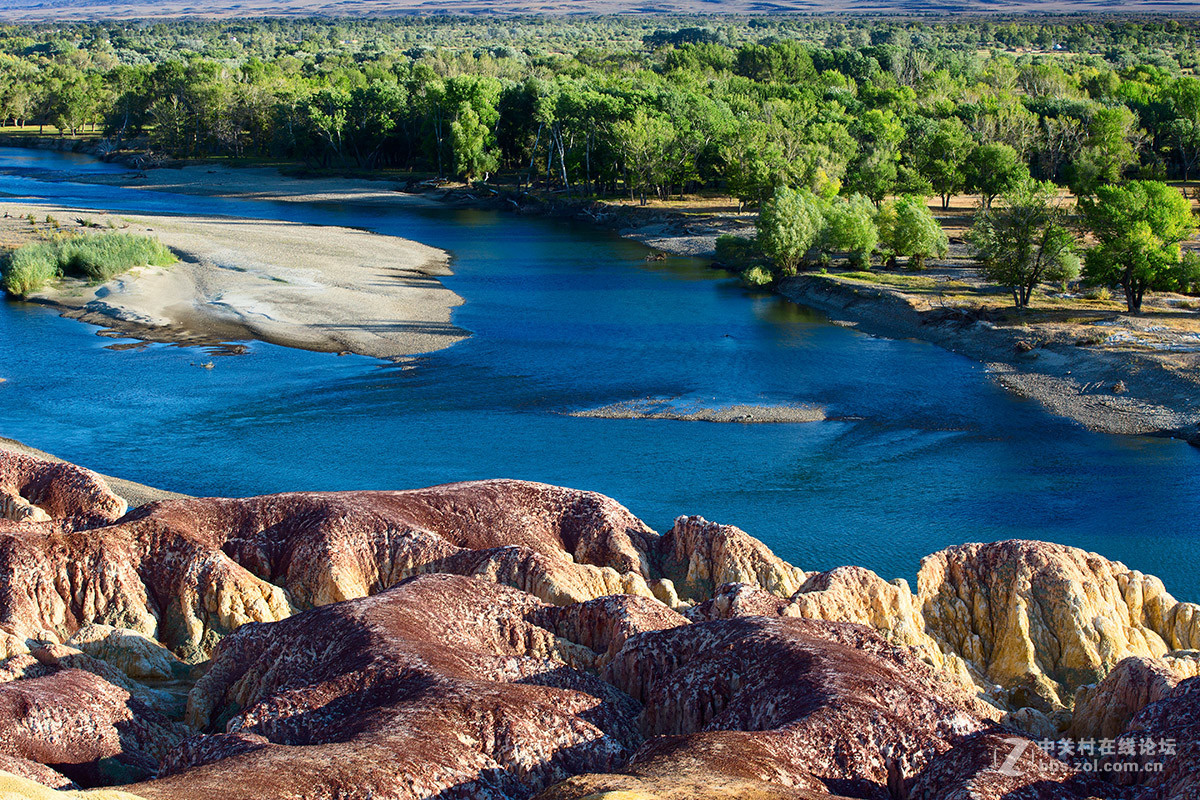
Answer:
[(924, 451)]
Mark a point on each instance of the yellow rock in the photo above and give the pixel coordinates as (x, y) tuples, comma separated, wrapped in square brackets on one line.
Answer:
[(14, 788)]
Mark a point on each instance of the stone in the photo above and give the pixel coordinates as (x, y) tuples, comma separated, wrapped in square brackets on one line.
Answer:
[(803, 704), (1174, 719), (1103, 710), (218, 564), (1040, 619), (83, 727), (996, 764), (697, 556), (33, 489), (16, 785), (605, 624), (442, 684), (134, 653), (32, 771), (845, 594), (503, 638)]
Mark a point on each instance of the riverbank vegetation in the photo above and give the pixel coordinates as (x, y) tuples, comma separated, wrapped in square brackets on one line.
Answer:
[(95, 257), (835, 128)]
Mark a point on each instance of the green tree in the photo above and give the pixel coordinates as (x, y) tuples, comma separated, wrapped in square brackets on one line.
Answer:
[(850, 228), (1138, 227), (643, 142), (471, 108), (875, 172), (993, 170), (1026, 241), (907, 228), (788, 226), (941, 155)]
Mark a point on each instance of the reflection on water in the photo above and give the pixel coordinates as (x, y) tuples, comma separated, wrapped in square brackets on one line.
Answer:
[(921, 450)]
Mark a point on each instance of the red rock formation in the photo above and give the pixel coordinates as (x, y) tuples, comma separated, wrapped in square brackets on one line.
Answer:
[(133, 576), (1104, 710), (798, 703), (83, 727), (187, 572), (36, 490), (733, 600), (676, 779), (326, 547), (451, 685), (605, 624), (38, 773), (1003, 765), (442, 684), (1175, 719)]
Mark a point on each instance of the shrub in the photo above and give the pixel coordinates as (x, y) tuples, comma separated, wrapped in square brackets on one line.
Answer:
[(30, 268), (102, 256), (738, 252), (757, 276), (97, 257)]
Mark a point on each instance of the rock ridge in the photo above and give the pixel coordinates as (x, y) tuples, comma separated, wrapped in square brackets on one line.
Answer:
[(506, 639)]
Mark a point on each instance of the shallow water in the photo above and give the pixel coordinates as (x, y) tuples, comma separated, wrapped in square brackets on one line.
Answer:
[(923, 450)]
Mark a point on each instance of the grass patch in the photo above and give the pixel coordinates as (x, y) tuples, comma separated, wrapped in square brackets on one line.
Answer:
[(889, 279), (97, 257)]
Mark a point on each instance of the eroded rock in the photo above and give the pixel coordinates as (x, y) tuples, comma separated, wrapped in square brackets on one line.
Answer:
[(1002, 765), (1171, 726), (83, 727), (36, 490), (1041, 619), (805, 704), (440, 684), (1104, 710), (698, 556)]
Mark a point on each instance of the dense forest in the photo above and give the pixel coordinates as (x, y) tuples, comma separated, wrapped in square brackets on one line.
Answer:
[(649, 106), (818, 120)]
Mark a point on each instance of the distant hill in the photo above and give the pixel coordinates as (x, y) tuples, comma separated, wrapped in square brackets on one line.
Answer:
[(65, 10)]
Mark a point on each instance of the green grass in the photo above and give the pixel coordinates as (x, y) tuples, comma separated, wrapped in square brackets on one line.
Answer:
[(888, 279), (911, 283), (97, 257)]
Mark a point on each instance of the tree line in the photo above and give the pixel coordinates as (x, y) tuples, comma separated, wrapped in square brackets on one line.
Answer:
[(817, 121), (886, 109)]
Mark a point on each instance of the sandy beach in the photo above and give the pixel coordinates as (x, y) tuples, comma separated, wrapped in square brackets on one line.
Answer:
[(261, 183), (674, 409), (319, 288)]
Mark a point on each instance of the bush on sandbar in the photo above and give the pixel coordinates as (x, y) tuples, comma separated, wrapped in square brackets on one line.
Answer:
[(96, 257)]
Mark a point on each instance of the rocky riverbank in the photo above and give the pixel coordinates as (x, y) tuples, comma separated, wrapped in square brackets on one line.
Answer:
[(1097, 367), (504, 639)]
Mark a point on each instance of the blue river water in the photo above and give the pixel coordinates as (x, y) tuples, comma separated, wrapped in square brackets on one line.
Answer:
[(925, 450)]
